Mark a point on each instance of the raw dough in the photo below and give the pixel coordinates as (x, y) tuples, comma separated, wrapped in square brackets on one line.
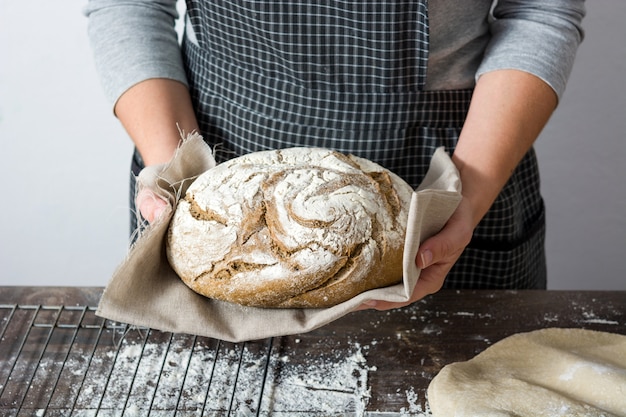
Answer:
[(549, 372)]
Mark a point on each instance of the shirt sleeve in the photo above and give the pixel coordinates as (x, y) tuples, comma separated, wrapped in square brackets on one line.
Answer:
[(132, 41), (537, 36)]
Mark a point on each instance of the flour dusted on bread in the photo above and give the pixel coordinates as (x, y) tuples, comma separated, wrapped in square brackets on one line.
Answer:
[(298, 227)]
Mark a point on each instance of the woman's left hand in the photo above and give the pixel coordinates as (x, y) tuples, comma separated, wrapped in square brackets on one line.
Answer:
[(508, 110), (436, 256)]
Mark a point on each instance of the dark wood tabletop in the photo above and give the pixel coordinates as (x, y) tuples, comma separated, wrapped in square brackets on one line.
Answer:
[(390, 356)]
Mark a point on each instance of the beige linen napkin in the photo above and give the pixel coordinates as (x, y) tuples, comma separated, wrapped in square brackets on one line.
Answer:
[(145, 291)]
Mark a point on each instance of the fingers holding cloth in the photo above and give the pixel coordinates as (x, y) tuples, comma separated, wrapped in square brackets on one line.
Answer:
[(160, 186), (145, 291), (151, 204)]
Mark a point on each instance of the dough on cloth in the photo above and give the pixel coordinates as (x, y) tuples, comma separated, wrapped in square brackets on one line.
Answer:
[(290, 228), (549, 372)]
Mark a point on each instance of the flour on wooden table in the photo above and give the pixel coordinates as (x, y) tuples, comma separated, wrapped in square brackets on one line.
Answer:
[(138, 378)]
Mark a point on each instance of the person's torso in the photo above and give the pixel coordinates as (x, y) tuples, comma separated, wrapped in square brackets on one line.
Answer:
[(354, 46)]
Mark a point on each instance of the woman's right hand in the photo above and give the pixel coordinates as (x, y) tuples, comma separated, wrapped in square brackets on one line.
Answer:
[(154, 112), (150, 205)]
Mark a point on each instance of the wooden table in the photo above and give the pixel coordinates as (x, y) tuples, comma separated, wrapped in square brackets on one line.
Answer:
[(57, 357)]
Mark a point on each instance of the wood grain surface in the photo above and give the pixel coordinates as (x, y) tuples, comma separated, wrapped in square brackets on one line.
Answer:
[(400, 350)]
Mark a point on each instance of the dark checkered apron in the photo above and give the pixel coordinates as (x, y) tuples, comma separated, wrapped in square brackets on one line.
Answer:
[(349, 76)]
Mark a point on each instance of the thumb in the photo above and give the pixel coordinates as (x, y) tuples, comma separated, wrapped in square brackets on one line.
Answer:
[(150, 205), (443, 248), (447, 245), (434, 250)]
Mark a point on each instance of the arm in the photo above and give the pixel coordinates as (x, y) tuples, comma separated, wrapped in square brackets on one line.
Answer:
[(519, 82), (152, 112), (540, 37), (518, 86), (508, 110), (137, 55)]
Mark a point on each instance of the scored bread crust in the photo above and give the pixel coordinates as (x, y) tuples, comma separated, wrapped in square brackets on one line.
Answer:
[(290, 228)]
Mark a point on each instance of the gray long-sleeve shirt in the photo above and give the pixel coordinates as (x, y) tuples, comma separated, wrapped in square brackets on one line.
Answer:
[(135, 40)]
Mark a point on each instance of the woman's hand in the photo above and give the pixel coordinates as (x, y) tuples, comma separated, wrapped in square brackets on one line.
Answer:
[(154, 112), (150, 205), (436, 256), (508, 110)]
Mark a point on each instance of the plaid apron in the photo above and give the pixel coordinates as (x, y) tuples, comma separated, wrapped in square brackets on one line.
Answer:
[(350, 76)]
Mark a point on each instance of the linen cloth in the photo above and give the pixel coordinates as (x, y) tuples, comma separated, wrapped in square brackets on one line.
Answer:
[(145, 291)]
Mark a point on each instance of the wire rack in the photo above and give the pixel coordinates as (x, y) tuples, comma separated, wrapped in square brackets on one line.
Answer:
[(66, 361)]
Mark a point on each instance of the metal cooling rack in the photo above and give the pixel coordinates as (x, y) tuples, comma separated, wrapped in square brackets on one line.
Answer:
[(66, 361)]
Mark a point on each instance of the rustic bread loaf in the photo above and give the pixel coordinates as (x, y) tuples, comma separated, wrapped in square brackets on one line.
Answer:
[(298, 227)]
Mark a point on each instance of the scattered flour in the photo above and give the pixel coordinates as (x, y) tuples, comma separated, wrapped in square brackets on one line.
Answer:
[(144, 377), (415, 407)]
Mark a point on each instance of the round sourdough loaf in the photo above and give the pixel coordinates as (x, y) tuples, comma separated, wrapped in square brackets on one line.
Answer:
[(291, 228)]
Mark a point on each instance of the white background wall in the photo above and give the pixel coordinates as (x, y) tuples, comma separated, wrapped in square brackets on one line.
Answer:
[(64, 159)]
